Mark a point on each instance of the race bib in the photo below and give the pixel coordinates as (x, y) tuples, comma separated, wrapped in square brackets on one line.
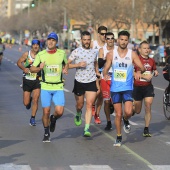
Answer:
[(31, 76), (145, 73), (52, 70), (120, 75)]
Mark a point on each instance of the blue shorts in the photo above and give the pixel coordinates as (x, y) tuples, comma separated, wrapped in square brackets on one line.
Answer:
[(122, 96), (56, 96)]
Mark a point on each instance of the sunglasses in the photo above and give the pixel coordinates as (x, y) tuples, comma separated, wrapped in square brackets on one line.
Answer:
[(102, 34), (110, 38)]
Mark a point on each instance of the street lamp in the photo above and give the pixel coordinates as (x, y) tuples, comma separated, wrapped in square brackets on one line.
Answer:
[(132, 19)]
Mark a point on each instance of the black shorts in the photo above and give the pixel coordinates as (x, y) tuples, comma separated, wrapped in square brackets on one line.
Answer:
[(30, 85), (140, 92), (1, 54), (80, 88)]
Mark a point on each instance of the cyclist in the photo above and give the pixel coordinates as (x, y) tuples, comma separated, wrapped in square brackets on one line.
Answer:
[(166, 73)]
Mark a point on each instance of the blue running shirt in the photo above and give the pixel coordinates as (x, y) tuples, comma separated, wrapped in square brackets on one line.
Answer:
[(122, 77)]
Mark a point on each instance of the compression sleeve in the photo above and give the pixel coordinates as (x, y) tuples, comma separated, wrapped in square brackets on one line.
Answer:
[(101, 62)]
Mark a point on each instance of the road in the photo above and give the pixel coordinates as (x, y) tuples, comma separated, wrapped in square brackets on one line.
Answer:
[(21, 146)]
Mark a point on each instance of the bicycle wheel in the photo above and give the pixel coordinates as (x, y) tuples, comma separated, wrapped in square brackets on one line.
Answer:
[(166, 106)]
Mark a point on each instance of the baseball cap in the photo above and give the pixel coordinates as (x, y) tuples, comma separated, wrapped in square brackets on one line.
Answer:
[(35, 41), (53, 35)]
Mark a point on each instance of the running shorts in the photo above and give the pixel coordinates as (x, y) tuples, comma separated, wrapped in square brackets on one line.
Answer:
[(105, 87), (80, 88), (56, 96), (30, 85), (123, 96), (140, 92)]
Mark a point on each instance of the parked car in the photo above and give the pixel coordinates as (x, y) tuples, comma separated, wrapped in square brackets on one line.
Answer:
[(153, 49), (155, 54)]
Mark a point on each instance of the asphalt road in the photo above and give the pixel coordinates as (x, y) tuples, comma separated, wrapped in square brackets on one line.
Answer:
[(21, 146)]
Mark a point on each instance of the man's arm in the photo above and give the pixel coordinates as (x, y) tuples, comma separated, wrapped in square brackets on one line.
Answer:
[(91, 44), (71, 58), (80, 64), (107, 65), (137, 61), (20, 62), (37, 61), (65, 65), (101, 61)]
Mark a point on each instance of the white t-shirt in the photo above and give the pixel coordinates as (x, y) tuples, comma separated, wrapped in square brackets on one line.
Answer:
[(84, 74)]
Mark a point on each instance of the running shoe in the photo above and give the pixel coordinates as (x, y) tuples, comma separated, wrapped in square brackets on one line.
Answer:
[(77, 119), (46, 138), (52, 123), (93, 110), (126, 126), (118, 141), (97, 119), (32, 122), (146, 133), (108, 126), (29, 105), (87, 133)]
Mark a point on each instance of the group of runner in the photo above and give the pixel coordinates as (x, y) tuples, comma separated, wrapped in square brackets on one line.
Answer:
[(104, 71)]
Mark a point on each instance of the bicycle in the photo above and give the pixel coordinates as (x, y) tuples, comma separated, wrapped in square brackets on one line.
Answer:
[(166, 104)]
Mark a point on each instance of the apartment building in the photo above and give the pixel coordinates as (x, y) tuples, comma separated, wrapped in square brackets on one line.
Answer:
[(12, 7)]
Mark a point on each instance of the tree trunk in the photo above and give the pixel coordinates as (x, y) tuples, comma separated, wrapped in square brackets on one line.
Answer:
[(160, 32), (153, 36)]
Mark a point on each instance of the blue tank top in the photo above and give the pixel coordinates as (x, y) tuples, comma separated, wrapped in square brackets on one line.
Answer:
[(122, 77)]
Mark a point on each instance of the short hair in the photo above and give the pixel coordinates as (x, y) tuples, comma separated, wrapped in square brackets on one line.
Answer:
[(85, 33), (109, 33), (125, 33), (102, 28), (143, 42)]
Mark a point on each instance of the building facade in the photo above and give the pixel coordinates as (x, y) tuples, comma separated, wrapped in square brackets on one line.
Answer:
[(12, 7)]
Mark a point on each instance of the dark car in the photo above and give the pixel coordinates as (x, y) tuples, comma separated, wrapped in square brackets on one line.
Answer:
[(154, 53)]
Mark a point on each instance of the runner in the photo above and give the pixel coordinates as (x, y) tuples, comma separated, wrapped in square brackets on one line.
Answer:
[(105, 84), (85, 62), (143, 88), (31, 82), (97, 44), (2, 48), (52, 63), (121, 60)]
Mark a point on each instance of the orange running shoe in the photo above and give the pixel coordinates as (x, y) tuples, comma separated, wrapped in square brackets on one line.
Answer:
[(97, 119), (93, 110)]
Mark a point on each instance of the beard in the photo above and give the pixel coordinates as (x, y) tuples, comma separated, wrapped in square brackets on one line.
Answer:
[(86, 46), (123, 47)]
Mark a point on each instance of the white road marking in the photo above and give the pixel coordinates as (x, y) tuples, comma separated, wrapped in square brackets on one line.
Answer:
[(160, 167), (168, 143), (66, 90), (159, 88), (90, 167), (132, 123), (14, 167)]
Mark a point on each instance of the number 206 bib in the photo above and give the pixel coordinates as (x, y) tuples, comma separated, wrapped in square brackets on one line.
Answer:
[(120, 75)]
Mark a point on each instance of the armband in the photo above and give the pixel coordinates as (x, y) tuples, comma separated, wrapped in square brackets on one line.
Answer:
[(101, 62)]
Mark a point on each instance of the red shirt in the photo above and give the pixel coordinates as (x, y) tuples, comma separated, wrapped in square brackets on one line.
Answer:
[(150, 66)]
